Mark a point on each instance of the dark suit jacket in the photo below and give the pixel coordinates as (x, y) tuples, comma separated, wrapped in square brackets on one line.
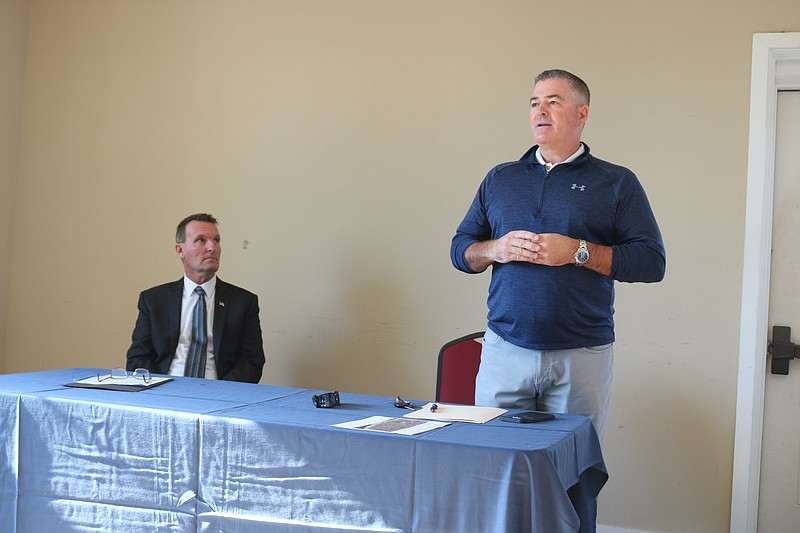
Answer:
[(238, 347)]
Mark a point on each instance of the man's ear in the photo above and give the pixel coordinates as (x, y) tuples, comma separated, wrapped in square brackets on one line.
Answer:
[(584, 113), (179, 250)]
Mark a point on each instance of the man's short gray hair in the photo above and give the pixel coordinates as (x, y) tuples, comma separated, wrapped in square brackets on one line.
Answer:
[(577, 84), (180, 233)]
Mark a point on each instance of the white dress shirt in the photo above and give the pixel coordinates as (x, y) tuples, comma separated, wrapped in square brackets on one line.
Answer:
[(570, 159), (188, 302)]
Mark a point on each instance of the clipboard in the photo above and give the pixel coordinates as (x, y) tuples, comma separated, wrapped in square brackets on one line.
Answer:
[(106, 382)]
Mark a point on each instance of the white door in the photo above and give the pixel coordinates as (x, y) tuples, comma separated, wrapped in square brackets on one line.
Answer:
[(779, 495)]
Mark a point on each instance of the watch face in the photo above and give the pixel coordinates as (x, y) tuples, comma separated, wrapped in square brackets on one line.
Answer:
[(581, 256)]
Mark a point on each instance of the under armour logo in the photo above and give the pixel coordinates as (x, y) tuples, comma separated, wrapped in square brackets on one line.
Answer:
[(581, 188)]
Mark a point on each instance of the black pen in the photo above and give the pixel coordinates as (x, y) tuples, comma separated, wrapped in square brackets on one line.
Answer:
[(434, 407)]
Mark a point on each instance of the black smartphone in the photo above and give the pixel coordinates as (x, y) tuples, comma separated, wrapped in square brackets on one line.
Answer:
[(527, 417)]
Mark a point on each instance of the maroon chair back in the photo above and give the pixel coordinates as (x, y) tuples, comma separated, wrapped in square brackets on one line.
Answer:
[(458, 365)]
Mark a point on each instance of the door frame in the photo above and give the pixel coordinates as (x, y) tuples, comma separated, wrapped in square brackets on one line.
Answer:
[(776, 66)]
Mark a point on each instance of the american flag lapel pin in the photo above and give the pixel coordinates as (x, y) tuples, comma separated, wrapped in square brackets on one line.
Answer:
[(222, 304)]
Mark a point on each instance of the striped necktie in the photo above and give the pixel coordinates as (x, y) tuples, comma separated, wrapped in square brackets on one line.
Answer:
[(196, 359)]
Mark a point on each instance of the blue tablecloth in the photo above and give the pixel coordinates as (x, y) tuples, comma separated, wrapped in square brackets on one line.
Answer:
[(212, 456)]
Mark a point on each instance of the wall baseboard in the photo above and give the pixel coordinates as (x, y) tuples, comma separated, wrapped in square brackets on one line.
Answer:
[(611, 529)]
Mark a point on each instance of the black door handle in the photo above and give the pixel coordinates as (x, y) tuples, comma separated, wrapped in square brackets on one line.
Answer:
[(782, 349)]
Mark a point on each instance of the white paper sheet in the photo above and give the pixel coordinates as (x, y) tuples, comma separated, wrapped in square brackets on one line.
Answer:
[(105, 381), (387, 424)]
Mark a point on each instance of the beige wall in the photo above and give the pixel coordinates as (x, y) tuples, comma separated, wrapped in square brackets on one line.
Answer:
[(13, 28), (340, 143)]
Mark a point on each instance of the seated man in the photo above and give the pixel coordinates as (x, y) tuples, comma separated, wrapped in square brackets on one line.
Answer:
[(198, 326)]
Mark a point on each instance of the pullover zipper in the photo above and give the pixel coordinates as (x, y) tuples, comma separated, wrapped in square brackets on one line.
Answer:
[(541, 194)]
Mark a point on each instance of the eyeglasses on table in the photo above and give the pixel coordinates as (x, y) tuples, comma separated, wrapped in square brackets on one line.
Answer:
[(121, 373)]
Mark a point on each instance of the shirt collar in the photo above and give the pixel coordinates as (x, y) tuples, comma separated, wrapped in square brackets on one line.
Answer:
[(208, 286), (549, 166)]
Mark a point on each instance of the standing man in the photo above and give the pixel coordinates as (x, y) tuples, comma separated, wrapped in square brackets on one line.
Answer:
[(198, 326), (558, 227)]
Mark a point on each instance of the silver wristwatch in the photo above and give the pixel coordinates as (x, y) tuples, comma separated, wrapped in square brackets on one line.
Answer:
[(582, 255)]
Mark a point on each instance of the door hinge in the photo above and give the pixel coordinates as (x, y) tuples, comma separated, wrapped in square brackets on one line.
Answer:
[(782, 349)]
